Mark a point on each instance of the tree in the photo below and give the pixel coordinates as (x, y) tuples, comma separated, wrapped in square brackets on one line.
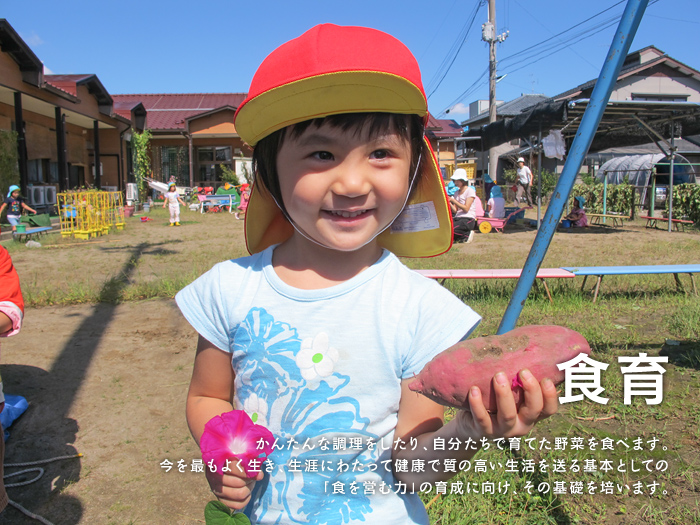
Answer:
[(141, 144), (9, 169)]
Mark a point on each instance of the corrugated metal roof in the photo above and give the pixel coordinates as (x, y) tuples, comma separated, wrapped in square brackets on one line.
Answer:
[(510, 108)]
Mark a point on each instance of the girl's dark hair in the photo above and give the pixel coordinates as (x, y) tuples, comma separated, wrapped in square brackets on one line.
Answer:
[(409, 128)]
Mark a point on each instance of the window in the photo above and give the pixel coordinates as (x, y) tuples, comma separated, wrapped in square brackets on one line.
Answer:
[(175, 162), (42, 171), (210, 159), (35, 171)]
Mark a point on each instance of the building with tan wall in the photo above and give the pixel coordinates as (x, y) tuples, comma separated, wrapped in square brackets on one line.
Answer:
[(64, 124), (193, 135)]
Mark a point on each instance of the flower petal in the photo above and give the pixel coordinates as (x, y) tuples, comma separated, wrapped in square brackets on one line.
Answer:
[(233, 436)]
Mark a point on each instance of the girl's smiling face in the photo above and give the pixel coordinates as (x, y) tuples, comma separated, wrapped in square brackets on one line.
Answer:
[(342, 188), (15, 194)]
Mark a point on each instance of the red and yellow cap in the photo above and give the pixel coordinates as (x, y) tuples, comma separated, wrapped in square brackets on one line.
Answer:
[(330, 70)]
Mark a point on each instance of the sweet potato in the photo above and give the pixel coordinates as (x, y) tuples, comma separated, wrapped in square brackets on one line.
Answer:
[(449, 376)]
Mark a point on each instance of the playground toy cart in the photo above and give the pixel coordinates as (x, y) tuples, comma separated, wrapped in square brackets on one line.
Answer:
[(486, 224)]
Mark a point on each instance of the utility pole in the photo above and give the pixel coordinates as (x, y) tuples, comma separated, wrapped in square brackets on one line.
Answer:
[(488, 34)]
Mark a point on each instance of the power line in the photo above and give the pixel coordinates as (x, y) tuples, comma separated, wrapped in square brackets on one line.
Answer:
[(451, 56), (535, 55)]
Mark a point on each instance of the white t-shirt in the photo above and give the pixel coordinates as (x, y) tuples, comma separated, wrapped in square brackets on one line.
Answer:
[(476, 209), (497, 207), (326, 364), (524, 175), (172, 197)]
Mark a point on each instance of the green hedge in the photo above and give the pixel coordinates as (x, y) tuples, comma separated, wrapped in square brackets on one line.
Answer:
[(686, 202), (620, 197)]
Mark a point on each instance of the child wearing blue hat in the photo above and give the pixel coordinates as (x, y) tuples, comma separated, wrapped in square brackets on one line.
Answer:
[(496, 205), (578, 216), (14, 204)]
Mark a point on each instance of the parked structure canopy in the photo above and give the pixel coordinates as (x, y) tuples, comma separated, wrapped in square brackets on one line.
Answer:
[(624, 123)]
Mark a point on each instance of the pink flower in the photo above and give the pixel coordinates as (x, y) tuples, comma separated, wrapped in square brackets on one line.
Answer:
[(233, 436)]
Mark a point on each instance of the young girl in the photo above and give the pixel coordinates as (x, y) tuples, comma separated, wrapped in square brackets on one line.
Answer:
[(496, 205), (173, 200), (245, 197), (578, 215), (466, 207), (317, 334), (11, 314), (14, 204)]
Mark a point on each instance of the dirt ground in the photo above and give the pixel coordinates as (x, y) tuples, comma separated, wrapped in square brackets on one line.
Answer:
[(109, 382)]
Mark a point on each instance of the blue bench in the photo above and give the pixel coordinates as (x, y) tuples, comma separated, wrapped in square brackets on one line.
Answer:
[(207, 201), (601, 271), (29, 233)]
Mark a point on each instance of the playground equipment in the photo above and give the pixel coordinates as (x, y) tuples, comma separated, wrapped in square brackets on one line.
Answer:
[(87, 214), (486, 224), (632, 16)]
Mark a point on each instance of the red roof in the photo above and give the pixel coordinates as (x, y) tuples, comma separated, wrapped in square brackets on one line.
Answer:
[(168, 111), (123, 109), (443, 128), (66, 83)]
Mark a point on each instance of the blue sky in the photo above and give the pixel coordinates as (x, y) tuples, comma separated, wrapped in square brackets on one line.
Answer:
[(210, 46)]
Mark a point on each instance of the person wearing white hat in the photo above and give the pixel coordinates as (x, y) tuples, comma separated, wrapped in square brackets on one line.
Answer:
[(465, 206), (523, 183)]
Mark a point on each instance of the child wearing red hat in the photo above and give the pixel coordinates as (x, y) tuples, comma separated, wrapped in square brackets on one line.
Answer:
[(318, 332), (11, 313), (245, 197)]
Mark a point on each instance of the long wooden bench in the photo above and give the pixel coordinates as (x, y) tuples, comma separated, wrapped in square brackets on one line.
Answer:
[(601, 218), (542, 274), (678, 224), (601, 271)]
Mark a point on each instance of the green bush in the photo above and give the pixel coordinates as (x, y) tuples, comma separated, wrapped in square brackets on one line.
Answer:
[(619, 197), (9, 169), (686, 202), (548, 180), (228, 175)]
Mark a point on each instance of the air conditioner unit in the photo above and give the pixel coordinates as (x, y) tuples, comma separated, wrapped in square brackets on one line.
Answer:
[(50, 194), (132, 192), (35, 195)]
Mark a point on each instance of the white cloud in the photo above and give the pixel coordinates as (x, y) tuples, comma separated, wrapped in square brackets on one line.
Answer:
[(32, 40), (459, 109)]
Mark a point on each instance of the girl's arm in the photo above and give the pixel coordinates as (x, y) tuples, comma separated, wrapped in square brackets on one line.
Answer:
[(5, 323), (181, 201), (2, 207), (28, 208), (457, 205), (211, 386), (422, 420), (210, 394)]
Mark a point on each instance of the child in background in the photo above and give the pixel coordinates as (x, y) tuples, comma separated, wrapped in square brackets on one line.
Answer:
[(245, 197), (496, 205), (173, 201), (317, 334), (14, 204), (578, 215), (11, 314)]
